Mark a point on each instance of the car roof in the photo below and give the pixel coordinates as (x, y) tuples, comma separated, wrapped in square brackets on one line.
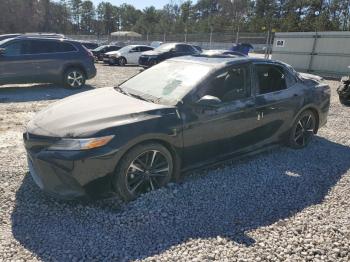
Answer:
[(23, 37), (137, 45), (219, 62)]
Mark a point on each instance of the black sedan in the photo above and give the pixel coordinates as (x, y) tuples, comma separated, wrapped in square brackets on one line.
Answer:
[(101, 50), (166, 51), (177, 115)]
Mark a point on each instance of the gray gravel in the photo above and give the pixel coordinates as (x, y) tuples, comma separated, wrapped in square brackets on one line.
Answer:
[(281, 205)]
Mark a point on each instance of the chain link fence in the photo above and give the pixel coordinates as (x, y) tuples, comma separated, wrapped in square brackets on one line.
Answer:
[(204, 40)]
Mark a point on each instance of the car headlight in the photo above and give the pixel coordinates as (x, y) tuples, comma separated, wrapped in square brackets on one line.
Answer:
[(80, 143)]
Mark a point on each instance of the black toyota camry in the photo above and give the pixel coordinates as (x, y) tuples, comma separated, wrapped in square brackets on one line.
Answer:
[(182, 113)]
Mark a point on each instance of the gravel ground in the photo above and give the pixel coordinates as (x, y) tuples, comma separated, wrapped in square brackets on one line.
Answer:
[(281, 205)]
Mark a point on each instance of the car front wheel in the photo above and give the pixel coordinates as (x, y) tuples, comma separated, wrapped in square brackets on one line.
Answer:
[(303, 130), (122, 61), (74, 78), (144, 168)]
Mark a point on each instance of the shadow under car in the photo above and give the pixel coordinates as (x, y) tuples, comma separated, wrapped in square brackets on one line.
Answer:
[(227, 202)]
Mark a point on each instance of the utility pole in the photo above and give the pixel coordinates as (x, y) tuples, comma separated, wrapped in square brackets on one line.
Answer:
[(211, 36)]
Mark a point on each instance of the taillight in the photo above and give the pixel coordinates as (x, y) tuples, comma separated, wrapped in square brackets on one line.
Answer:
[(90, 54)]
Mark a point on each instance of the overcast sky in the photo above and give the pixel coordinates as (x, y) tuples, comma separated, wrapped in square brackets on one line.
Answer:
[(139, 4)]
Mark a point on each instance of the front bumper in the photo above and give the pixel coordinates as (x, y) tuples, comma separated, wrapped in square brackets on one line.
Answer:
[(68, 174)]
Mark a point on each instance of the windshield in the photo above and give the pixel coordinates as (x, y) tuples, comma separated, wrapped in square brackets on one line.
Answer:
[(167, 82), (165, 47)]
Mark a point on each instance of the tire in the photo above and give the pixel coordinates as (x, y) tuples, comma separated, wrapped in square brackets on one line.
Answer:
[(153, 63), (74, 78), (302, 130), (122, 61), (344, 100), (144, 168)]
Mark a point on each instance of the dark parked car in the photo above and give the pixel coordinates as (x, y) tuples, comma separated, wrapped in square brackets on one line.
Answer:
[(344, 90), (44, 60), (179, 114), (198, 48), (166, 51), (90, 45), (101, 50)]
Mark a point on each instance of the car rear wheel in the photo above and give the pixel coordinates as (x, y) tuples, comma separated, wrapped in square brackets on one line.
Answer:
[(303, 130), (74, 78), (122, 61), (144, 168)]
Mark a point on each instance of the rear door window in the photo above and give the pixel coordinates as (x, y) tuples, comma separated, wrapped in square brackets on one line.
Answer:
[(184, 49), (270, 78), (40, 47), (135, 49), (146, 48), (46, 47), (67, 47)]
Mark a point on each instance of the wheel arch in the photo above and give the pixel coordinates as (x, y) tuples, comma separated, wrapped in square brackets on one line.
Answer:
[(169, 146), (126, 60), (78, 66), (315, 110)]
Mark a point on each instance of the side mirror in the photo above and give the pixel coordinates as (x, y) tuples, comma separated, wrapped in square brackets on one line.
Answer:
[(172, 50), (210, 101), (2, 51)]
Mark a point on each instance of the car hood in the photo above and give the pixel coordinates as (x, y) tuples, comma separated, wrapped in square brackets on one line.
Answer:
[(152, 53), (87, 113)]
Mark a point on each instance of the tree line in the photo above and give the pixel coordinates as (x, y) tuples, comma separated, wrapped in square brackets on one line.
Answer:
[(202, 16)]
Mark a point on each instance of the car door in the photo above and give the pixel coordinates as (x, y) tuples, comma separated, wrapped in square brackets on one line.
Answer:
[(133, 55), (45, 58), (210, 132), (183, 50), (277, 100), (15, 67)]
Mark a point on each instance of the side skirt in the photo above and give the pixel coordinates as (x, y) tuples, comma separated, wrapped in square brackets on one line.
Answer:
[(225, 159)]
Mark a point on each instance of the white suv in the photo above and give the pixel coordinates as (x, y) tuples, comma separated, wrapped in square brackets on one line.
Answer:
[(127, 55)]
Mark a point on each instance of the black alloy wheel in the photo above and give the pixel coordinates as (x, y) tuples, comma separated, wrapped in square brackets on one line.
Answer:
[(145, 168), (303, 130)]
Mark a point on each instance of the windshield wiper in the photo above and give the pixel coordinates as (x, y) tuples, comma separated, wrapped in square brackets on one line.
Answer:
[(139, 97), (118, 88)]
